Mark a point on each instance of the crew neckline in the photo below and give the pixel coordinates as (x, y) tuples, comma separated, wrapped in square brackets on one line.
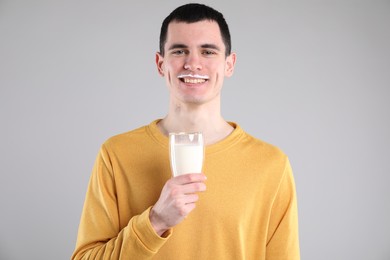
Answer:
[(155, 133)]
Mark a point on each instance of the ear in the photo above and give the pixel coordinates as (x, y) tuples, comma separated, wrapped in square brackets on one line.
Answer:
[(230, 62), (159, 63)]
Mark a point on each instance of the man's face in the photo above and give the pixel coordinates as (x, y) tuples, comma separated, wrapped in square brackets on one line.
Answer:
[(194, 64)]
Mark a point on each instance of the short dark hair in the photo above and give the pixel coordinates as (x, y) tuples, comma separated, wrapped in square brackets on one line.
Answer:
[(191, 13)]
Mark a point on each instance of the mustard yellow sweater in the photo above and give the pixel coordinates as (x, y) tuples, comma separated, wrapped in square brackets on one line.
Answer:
[(249, 210)]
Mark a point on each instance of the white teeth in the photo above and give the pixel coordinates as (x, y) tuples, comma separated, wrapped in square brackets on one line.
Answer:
[(193, 76), (194, 81)]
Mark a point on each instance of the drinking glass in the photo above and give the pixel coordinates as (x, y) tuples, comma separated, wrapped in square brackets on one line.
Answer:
[(186, 152)]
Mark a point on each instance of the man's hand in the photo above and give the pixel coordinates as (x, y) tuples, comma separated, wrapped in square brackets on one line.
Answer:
[(177, 200)]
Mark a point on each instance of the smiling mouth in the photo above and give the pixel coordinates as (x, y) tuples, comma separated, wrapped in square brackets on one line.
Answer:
[(193, 79)]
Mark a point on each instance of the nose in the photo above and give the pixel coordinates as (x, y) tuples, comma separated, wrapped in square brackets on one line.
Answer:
[(192, 62)]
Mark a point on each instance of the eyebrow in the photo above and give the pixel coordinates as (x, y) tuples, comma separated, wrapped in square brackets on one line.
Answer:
[(210, 46), (183, 46)]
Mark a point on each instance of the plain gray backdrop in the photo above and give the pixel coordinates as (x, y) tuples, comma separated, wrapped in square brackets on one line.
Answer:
[(312, 77)]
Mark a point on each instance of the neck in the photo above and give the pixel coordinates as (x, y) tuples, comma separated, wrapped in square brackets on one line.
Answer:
[(196, 118)]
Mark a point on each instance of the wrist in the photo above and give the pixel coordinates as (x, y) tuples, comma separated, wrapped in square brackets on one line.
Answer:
[(156, 223)]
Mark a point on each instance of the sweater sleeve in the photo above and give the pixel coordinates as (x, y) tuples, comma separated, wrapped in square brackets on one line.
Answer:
[(283, 240), (100, 235)]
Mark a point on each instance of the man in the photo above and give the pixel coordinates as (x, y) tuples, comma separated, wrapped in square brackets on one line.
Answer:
[(135, 209)]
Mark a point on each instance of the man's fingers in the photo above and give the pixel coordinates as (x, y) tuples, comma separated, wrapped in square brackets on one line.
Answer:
[(177, 199), (191, 199), (189, 178), (179, 190), (193, 188)]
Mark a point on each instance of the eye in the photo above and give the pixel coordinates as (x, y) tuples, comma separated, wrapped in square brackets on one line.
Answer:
[(208, 52), (178, 52)]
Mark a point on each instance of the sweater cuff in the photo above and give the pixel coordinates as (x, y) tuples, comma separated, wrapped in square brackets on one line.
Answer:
[(145, 233)]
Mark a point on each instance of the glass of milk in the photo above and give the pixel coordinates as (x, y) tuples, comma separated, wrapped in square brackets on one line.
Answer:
[(186, 152)]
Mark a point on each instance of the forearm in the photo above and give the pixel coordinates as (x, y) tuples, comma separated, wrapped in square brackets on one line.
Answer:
[(137, 240)]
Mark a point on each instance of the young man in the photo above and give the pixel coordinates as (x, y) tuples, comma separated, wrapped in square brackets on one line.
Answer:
[(135, 209)]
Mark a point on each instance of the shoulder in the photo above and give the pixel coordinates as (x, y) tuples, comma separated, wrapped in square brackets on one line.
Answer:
[(125, 136), (255, 146), (263, 147), (262, 154), (124, 141), (273, 162)]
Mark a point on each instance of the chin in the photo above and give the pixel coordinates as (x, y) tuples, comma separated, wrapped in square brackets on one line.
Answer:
[(193, 100)]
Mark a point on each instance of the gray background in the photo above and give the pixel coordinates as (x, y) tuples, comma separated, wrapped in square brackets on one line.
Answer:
[(312, 77)]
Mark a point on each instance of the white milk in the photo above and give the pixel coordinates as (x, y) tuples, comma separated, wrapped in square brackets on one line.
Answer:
[(187, 159)]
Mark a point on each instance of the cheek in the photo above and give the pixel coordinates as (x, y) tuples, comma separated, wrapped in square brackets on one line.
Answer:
[(217, 67), (173, 64), (171, 69)]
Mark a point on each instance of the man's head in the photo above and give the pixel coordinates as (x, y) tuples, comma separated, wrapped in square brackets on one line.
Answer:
[(191, 13)]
